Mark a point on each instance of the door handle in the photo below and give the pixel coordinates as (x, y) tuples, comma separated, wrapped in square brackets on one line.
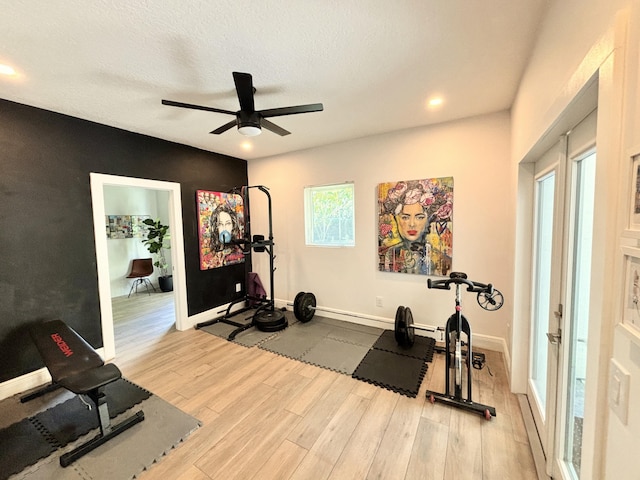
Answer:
[(558, 313)]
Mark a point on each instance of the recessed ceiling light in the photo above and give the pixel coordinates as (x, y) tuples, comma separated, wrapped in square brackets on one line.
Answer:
[(246, 145), (435, 101), (6, 70)]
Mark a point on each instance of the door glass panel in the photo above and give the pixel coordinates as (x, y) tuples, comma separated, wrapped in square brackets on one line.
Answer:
[(579, 312), (545, 189)]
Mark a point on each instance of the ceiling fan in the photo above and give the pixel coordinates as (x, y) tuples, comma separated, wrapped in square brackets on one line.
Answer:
[(248, 120)]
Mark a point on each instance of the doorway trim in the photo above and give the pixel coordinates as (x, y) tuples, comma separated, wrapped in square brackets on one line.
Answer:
[(98, 182)]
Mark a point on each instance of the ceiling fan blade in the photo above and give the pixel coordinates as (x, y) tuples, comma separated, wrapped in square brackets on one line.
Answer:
[(224, 127), (273, 127), (244, 88), (277, 112), (195, 107)]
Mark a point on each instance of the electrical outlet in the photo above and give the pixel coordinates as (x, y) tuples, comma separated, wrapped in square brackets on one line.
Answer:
[(619, 390), (238, 287), (378, 301)]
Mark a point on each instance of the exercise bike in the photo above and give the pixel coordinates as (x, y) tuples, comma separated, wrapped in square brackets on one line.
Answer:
[(489, 299)]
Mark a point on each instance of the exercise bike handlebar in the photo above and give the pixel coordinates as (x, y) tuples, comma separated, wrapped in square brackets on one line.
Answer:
[(458, 279)]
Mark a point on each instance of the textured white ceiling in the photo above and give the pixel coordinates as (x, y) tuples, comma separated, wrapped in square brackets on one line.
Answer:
[(372, 63)]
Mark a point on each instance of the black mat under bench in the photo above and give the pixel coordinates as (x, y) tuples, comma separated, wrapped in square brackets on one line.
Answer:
[(27, 441)]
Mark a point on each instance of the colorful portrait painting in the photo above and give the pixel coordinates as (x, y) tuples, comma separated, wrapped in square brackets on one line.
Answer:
[(415, 226), (220, 225)]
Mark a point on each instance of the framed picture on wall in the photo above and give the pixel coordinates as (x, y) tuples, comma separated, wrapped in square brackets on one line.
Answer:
[(631, 292), (634, 218), (220, 226), (415, 226)]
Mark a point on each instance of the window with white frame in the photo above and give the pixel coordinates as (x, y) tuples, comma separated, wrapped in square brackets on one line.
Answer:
[(329, 215)]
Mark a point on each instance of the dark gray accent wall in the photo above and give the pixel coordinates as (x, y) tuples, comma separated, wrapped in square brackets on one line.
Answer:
[(47, 251)]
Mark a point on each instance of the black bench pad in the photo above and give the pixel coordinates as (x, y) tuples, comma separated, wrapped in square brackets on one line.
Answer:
[(72, 362)]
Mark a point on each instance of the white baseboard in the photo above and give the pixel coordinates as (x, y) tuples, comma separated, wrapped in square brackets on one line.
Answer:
[(485, 342), (29, 381), (215, 312), (24, 383)]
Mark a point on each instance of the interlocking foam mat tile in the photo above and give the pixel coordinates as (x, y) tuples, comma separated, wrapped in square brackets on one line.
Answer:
[(61, 424), (22, 444), (355, 336), (398, 373), (422, 347), (302, 339), (292, 343), (128, 454), (335, 355)]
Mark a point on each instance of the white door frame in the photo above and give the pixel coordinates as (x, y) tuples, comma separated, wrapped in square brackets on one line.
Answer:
[(98, 182)]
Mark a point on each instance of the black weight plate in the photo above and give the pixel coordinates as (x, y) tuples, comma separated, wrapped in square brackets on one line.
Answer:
[(397, 327), (296, 305), (307, 300), (268, 318), (410, 332), (274, 328)]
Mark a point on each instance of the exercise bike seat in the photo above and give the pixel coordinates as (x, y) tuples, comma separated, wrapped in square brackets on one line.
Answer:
[(71, 361)]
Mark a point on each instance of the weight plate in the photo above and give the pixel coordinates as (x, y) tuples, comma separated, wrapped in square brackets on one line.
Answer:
[(269, 318), (273, 326), (491, 301), (307, 307), (410, 333), (397, 327), (296, 305)]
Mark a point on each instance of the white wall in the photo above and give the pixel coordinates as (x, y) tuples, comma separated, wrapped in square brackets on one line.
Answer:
[(621, 438), (131, 201), (570, 30), (474, 151), (581, 38)]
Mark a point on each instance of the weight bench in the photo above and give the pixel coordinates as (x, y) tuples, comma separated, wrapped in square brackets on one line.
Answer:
[(76, 366)]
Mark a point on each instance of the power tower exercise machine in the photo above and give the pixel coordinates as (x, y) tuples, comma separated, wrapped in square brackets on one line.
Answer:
[(265, 317)]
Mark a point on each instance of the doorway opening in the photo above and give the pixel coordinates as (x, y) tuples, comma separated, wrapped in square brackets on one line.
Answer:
[(100, 182)]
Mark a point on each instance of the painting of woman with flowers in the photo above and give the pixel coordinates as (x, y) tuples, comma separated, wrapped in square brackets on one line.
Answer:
[(415, 226)]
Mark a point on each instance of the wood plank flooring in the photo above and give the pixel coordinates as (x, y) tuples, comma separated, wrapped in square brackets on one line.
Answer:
[(269, 417)]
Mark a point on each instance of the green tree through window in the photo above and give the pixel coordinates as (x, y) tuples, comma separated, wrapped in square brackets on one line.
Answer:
[(329, 215)]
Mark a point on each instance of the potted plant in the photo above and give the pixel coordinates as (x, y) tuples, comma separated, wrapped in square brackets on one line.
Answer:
[(157, 235)]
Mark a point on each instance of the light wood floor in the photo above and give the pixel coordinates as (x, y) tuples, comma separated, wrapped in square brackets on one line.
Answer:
[(269, 417)]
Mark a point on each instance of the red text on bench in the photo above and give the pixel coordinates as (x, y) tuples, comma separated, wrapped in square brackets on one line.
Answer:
[(62, 344)]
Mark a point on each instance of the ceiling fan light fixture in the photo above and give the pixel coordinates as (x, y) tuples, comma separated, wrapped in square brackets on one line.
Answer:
[(249, 130), (248, 120)]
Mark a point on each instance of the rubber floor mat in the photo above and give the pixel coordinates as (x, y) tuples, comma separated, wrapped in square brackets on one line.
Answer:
[(398, 373), (335, 355), (422, 347), (127, 455), (21, 444), (60, 425), (326, 343)]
